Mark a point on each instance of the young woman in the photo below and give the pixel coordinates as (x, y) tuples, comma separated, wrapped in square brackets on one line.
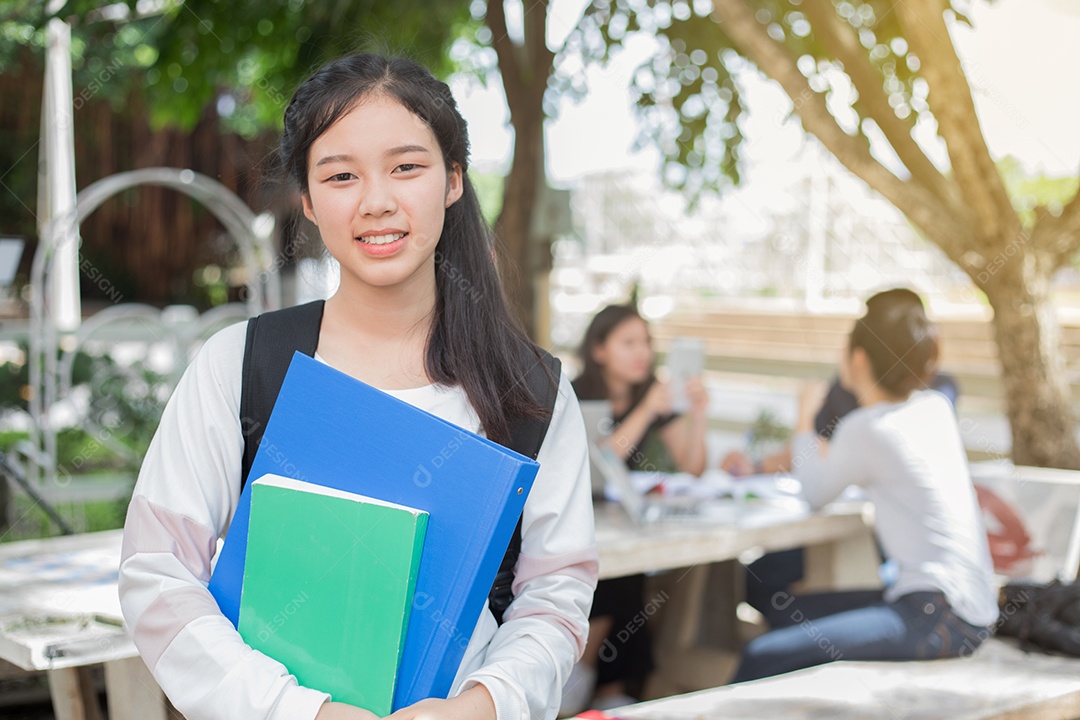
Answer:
[(617, 360), (778, 571), (617, 365), (903, 447), (379, 153)]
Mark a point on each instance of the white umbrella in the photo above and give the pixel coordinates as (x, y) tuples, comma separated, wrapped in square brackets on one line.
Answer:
[(56, 179)]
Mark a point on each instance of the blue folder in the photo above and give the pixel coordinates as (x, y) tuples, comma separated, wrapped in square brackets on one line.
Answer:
[(331, 429)]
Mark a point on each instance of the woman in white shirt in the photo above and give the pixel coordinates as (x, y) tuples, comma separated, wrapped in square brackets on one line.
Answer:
[(379, 154), (903, 447)]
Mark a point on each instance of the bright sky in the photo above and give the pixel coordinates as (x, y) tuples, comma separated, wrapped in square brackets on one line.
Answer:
[(1020, 60)]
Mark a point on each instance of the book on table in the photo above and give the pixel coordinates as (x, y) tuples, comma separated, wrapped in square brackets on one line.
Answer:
[(328, 586), (333, 430)]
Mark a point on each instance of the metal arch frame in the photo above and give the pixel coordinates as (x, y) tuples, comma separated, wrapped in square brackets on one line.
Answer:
[(263, 286)]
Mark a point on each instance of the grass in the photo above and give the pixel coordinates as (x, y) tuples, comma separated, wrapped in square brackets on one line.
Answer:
[(31, 522), (74, 448), (82, 455)]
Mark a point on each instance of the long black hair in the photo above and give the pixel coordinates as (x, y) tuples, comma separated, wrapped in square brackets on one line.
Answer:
[(590, 384), (475, 339)]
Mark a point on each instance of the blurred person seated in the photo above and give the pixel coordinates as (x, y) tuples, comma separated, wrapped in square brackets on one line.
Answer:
[(618, 366), (902, 446), (776, 572)]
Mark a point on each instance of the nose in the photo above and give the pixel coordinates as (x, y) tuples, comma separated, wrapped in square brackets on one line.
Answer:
[(377, 199)]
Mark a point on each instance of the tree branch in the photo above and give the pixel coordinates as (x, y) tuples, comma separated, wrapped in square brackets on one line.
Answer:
[(921, 206), (843, 43), (1070, 215), (505, 50), (978, 179), (1060, 236), (540, 57)]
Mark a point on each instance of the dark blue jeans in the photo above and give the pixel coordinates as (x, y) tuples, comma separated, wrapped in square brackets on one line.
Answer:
[(771, 574), (918, 626)]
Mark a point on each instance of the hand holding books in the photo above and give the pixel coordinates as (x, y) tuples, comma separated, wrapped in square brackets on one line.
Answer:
[(342, 711), (473, 704)]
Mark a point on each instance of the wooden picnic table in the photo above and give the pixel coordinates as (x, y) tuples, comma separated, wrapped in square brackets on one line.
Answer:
[(696, 631), (59, 612), (836, 536), (59, 609)]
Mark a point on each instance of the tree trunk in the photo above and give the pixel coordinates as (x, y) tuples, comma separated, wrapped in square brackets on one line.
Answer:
[(1028, 339), (525, 69), (518, 256)]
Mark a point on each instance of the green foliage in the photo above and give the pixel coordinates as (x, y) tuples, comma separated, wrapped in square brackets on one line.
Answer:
[(688, 94), (33, 523), (78, 449), (1033, 196), (15, 379), (126, 404), (248, 56), (767, 432), (14, 386), (240, 59), (124, 407), (687, 97), (109, 58), (489, 191)]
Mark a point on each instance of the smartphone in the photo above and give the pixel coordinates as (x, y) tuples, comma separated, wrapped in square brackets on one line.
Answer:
[(685, 360)]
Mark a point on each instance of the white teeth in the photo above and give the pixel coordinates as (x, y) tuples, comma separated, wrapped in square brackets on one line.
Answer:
[(381, 239)]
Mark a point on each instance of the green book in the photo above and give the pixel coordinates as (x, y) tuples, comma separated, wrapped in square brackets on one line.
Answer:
[(328, 585)]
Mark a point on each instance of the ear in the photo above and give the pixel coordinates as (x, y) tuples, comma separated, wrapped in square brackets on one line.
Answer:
[(859, 366), (455, 185), (309, 210)]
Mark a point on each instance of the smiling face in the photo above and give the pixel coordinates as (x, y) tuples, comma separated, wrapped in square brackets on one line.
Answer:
[(626, 354), (378, 189)]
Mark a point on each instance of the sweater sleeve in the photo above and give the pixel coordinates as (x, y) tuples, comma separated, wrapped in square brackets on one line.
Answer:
[(846, 462), (184, 498), (530, 656)]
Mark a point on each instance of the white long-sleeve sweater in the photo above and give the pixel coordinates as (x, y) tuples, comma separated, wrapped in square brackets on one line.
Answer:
[(185, 497), (910, 459)]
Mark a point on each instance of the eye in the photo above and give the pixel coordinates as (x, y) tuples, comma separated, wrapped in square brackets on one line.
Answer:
[(340, 177), (407, 167)]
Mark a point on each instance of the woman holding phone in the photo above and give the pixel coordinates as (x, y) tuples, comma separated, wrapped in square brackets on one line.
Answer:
[(648, 435), (648, 432)]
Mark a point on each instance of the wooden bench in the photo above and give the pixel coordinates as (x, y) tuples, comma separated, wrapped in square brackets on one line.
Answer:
[(998, 682), (801, 345)]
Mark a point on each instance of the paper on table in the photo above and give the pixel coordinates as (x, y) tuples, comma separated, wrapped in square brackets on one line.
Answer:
[(712, 484)]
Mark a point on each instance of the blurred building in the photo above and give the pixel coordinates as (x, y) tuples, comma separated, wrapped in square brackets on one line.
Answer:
[(821, 244)]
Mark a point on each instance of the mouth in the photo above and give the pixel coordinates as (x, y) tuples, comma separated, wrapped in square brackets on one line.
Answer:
[(382, 239)]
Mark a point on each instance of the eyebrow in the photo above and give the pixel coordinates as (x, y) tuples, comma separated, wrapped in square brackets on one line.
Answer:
[(399, 150), (333, 158), (402, 149)]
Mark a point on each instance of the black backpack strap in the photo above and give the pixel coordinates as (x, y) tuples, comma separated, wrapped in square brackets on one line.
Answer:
[(272, 339), (526, 437)]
